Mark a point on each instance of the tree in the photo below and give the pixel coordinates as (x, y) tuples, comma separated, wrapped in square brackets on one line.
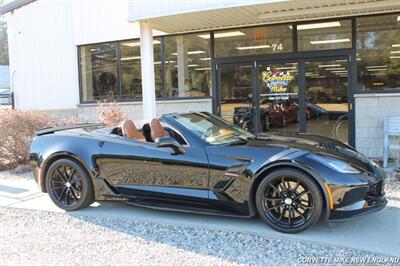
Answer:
[(3, 43)]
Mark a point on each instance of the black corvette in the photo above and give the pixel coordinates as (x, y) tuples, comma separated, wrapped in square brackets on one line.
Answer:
[(209, 166)]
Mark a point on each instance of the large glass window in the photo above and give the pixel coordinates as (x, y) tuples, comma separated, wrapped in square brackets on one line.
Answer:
[(187, 66), (326, 95), (99, 75), (324, 35), (378, 53), (253, 41), (131, 77), (158, 67)]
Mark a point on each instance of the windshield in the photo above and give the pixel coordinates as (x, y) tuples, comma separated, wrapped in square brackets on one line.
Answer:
[(212, 129)]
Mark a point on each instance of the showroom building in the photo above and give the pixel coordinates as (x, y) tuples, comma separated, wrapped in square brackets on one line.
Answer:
[(323, 67)]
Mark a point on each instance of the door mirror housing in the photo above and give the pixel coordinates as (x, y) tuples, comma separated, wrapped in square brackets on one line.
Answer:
[(172, 143)]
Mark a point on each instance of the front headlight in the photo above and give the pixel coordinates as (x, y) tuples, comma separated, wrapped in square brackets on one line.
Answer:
[(337, 165)]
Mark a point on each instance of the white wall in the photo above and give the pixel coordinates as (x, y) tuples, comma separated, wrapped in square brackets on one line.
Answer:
[(43, 39), (43, 59), (101, 21)]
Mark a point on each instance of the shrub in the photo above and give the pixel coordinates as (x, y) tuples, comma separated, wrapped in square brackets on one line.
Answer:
[(17, 131), (110, 113)]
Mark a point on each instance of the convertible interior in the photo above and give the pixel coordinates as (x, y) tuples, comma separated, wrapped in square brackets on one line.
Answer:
[(147, 133)]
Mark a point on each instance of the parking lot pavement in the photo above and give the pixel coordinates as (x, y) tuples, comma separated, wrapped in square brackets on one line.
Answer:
[(378, 232)]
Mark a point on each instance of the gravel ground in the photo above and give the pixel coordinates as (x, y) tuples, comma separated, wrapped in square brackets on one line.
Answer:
[(392, 188), (41, 238)]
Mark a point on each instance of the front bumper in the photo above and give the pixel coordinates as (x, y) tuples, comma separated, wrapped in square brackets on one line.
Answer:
[(359, 201), (357, 210)]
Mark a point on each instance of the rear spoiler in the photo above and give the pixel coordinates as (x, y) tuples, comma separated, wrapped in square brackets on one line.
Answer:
[(50, 130)]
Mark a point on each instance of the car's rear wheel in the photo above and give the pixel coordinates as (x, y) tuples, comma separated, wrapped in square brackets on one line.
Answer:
[(68, 185), (283, 120), (266, 123), (288, 200)]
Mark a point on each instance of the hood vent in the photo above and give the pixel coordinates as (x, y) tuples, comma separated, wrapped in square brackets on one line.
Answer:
[(328, 147)]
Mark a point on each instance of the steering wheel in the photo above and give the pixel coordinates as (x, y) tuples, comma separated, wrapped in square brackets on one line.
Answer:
[(205, 135)]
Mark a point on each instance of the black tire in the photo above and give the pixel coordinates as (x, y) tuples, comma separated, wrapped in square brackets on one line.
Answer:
[(266, 123), (283, 120), (280, 201), (69, 185)]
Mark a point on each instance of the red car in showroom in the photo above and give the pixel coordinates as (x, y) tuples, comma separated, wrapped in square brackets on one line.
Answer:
[(276, 114)]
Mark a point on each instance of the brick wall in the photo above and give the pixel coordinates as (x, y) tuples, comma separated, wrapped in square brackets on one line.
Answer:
[(88, 112), (370, 111)]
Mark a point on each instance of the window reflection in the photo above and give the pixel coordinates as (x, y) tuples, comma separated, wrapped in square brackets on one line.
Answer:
[(187, 66), (378, 53), (236, 87), (131, 79), (158, 67), (324, 35), (99, 77), (279, 97), (251, 41), (326, 96)]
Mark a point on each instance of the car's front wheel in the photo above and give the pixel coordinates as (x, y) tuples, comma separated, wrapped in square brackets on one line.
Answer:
[(288, 200), (68, 185)]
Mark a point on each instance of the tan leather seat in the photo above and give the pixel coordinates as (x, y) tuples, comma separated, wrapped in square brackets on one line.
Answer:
[(157, 131), (130, 131)]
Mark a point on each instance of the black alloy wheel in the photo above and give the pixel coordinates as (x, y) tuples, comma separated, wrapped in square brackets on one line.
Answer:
[(68, 185), (289, 201), (283, 120)]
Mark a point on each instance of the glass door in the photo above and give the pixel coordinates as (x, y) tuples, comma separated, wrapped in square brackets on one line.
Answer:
[(327, 101), (236, 94), (278, 97), (273, 97)]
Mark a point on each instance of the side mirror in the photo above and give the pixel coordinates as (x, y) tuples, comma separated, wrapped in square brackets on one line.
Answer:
[(172, 143)]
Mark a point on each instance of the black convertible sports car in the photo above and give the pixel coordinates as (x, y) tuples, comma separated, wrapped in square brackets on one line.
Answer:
[(209, 166)]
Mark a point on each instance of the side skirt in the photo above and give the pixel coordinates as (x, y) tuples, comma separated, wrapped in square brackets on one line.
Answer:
[(187, 207)]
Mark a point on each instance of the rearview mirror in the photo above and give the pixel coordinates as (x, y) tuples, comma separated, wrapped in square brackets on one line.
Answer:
[(170, 142)]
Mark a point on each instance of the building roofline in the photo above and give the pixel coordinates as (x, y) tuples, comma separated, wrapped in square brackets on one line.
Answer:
[(14, 5)]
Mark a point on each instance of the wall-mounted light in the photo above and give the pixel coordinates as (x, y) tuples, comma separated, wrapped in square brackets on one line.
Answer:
[(376, 66), (378, 69), (330, 41), (222, 34), (137, 43), (333, 65), (318, 25), (335, 68), (192, 52), (130, 58), (253, 47)]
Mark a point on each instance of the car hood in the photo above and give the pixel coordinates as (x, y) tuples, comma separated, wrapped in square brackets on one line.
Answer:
[(315, 144)]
